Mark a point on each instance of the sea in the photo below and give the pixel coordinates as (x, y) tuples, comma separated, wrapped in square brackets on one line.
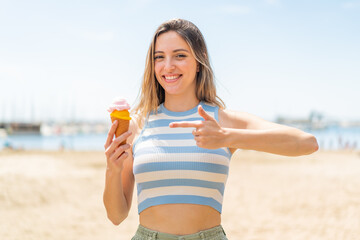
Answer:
[(330, 138)]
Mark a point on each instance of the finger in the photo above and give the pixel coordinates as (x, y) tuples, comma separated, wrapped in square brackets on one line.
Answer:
[(199, 144), (121, 158), (204, 114), (119, 161), (195, 133), (117, 141), (111, 134), (195, 124), (120, 150), (122, 137), (116, 155)]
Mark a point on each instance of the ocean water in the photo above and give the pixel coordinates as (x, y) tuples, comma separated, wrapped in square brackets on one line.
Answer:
[(80, 142), (338, 138), (332, 138)]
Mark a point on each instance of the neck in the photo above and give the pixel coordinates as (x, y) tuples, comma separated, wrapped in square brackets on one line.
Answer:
[(179, 104)]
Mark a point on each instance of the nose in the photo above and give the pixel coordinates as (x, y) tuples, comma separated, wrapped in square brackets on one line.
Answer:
[(169, 65)]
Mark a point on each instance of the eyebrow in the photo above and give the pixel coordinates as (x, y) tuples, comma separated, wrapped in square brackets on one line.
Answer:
[(176, 50)]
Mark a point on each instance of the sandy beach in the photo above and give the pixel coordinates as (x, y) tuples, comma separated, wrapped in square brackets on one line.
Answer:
[(58, 195)]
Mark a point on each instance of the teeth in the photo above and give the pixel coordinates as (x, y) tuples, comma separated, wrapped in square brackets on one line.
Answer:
[(171, 77)]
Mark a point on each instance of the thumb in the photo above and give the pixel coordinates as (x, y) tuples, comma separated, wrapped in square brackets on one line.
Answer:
[(204, 114)]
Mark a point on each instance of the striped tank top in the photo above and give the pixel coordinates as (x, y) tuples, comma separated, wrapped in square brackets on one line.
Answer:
[(170, 168)]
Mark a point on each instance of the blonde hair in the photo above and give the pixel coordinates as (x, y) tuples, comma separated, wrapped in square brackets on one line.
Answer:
[(152, 94)]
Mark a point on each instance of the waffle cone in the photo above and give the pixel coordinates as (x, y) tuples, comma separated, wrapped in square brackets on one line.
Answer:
[(123, 126)]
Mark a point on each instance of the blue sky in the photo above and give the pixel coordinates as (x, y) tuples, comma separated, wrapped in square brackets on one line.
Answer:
[(66, 60)]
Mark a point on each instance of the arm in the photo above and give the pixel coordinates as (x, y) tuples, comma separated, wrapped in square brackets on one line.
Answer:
[(241, 130), (119, 178), (245, 131)]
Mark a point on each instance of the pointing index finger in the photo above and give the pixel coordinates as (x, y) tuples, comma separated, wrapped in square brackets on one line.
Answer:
[(186, 124)]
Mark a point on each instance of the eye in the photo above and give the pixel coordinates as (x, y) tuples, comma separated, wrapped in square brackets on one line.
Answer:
[(181, 56), (158, 57)]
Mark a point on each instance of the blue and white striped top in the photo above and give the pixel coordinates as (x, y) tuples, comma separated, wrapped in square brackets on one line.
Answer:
[(170, 168)]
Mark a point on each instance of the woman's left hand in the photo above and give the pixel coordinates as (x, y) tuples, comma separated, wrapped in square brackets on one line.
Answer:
[(207, 134)]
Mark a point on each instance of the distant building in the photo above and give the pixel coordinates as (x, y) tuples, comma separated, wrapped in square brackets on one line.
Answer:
[(314, 121), (21, 128)]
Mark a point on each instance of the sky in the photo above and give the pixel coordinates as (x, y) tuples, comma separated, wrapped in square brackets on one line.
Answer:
[(67, 60)]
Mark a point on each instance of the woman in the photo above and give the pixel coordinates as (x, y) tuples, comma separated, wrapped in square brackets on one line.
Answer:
[(178, 149)]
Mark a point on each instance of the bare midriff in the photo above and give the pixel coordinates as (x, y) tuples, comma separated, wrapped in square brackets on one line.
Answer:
[(180, 219)]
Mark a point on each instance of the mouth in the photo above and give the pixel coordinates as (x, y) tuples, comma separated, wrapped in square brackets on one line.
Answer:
[(171, 78)]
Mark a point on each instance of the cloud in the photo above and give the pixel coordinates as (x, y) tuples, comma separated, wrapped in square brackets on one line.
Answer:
[(235, 9)]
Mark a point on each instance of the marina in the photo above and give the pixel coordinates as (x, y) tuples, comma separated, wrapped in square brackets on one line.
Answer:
[(53, 136), (81, 137)]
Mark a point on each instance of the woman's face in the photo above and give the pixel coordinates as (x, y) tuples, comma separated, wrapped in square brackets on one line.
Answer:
[(175, 65)]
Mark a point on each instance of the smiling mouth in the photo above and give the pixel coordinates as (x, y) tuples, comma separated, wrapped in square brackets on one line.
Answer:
[(171, 78)]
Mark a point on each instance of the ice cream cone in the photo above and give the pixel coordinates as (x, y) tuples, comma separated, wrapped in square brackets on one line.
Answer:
[(119, 111), (123, 126)]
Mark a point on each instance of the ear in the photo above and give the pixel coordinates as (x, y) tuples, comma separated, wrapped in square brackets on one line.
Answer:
[(197, 67)]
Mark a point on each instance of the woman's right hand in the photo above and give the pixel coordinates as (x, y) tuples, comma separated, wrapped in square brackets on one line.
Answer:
[(114, 152)]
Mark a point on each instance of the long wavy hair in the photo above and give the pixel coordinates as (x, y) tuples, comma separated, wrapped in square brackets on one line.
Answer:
[(152, 94)]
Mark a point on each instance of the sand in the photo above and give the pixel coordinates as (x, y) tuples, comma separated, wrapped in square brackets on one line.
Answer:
[(58, 195)]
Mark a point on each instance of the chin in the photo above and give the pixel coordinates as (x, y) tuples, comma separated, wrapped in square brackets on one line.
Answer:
[(172, 90)]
